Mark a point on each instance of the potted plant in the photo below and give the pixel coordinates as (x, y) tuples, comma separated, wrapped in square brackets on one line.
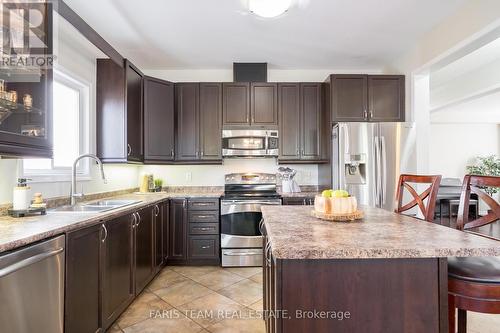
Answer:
[(486, 166), (158, 185)]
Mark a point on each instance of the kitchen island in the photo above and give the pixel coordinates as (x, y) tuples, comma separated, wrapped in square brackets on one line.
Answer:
[(385, 273)]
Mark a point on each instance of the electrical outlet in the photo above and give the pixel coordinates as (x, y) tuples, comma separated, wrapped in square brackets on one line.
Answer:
[(189, 176)]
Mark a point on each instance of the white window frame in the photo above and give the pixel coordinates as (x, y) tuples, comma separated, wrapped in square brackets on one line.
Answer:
[(63, 174)]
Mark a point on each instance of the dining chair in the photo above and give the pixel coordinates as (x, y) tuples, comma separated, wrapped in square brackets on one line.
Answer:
[(474, 282), (418, 199)]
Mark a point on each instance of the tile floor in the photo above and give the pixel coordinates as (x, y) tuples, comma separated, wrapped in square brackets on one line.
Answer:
[(212, 299)]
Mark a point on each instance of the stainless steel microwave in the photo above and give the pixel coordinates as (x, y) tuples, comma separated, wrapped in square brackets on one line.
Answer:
[(250, 143)]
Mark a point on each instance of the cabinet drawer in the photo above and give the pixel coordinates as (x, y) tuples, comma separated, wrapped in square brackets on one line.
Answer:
[(204, 216), (298, 201), (204, 228), (203, 204), (203, 247)]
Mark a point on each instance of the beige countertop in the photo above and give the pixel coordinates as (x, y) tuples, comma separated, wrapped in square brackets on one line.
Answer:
[(305, 194), (17, 232), (295, 234)]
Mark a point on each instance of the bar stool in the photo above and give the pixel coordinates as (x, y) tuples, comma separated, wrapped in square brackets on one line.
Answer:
[(474, 283), (418, 199)]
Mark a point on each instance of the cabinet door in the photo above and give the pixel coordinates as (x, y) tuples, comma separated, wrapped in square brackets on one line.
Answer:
[(165, 217), (236, 103), (83, 251), (210, 120), (159, 130), (178, 230), (264, 104), (186, 107), (289, 120), (158, 237), (133, 83), (144, 248), (117, 268), (310, 104), (386, 100), (349, 98)]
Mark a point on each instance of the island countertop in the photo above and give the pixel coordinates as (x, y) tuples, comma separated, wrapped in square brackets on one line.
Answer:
[(295, 234)]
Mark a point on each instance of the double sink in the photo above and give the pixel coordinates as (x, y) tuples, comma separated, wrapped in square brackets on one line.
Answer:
[(94, 207)]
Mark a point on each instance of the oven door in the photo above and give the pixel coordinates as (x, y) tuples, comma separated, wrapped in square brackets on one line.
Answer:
[(240, 222)]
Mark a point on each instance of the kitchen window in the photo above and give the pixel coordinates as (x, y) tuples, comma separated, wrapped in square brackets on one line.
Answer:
[(70, 131)]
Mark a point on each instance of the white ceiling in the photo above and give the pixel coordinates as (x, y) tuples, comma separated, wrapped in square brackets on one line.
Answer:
[(313, 34)]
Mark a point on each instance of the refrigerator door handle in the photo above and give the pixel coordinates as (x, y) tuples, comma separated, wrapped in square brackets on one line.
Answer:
[(376, 170), (383, 179)]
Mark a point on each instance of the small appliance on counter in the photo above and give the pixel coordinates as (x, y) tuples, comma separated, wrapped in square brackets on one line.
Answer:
[(288, 184), (21, 204)]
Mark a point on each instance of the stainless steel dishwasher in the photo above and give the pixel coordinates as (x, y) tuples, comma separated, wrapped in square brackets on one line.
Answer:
[(32, 288)]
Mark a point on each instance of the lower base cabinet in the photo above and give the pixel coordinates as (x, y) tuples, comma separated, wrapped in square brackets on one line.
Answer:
[(109, 264), (117, 269), (83, 257)]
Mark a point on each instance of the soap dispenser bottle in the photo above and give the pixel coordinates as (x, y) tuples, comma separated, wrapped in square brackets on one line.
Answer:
[(21, 197)]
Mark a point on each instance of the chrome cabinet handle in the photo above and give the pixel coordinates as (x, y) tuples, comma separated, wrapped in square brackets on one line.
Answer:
[(157, 210), (204, 216), (371, 113), (105, 233), (365, 114), (184, 203), (202, 153), (139, 219), (134, 220), (202, 204), (129, 149), (172, 152), (203, 228), (206, 247)]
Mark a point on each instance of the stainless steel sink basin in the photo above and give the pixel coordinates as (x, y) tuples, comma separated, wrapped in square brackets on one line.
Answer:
[(94, 207), (114, 203), (81, 209)]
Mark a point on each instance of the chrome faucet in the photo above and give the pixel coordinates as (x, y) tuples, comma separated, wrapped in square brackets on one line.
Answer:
[(74, 194)]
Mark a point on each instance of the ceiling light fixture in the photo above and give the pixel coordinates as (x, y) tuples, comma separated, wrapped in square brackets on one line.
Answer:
[(268, 8)]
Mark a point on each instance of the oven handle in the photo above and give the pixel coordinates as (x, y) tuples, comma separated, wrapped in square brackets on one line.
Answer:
[(250, 202), (249, 253)]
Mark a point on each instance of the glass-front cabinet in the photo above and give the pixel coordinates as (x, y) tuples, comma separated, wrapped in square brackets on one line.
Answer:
[(26, 80)]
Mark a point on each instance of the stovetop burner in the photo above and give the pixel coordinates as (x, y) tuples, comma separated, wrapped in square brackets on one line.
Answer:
[(241, 186)]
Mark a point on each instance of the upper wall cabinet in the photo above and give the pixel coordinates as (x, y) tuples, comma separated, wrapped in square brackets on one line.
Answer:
[(250, 104), (301, 123), (159, 128), (198, 110), (361, 98), (26, 92), (119, 112)]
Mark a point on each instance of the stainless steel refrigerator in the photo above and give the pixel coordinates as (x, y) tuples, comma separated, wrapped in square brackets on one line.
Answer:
[(365, 161)]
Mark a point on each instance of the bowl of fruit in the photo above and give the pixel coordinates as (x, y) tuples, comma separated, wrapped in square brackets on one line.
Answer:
[(336, 205)]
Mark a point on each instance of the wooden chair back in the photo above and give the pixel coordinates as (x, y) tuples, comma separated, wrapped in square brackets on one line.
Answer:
[(476, 184), (418, 199)]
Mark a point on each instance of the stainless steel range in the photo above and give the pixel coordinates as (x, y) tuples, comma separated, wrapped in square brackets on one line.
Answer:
[(241, 239)]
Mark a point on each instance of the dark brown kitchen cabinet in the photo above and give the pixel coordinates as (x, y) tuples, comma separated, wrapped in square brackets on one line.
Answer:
[(236, 104), (264, 104), (386, 98), (117, 268), (186, 110), (250, 104), (119, 108), (289, 120), (178, 231), (27, 131), (210, 121), (199, 116), (82, 298), (159, 125), (165, 225), (362, 98), (144, 247), (301, 122), (349, 97)]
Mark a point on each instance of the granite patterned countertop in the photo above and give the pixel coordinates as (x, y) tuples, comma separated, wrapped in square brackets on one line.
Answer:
[(17, 232), (295, 234), (305, 194)]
